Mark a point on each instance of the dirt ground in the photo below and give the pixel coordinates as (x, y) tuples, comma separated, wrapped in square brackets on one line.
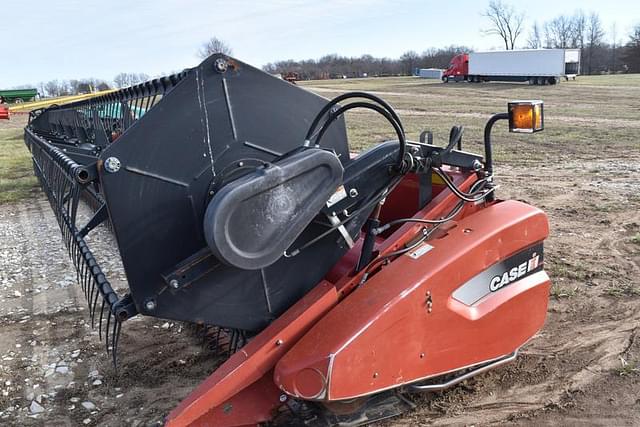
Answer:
[(582, 368)]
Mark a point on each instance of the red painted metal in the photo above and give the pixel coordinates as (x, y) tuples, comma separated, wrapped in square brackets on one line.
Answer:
[(459, 66), (344, 340), (252, 364), (383, 334), (4, 112)]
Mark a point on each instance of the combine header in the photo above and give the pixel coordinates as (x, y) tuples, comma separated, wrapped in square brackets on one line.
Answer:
[(342, 284)]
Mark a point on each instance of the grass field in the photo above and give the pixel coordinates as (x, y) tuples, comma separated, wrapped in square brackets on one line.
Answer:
[(16, 175), (592, 110)]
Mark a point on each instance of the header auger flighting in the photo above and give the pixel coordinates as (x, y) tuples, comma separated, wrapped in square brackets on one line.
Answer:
[(348, 282)]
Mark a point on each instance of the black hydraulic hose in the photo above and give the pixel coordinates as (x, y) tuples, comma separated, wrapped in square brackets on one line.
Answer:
[(455, 138), (488, 155), (396, 125), (349, 95)]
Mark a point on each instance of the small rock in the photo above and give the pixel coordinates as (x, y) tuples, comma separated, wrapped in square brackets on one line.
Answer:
[(62, 370), (165, 325), (89, 406), (17, 294), (86, 421), (118, 396), (30, 396), (74, 399), (97, 382), (36, 408), (94, 374)]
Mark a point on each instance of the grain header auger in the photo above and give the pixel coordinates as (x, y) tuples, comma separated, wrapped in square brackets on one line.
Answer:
[(346, 283)]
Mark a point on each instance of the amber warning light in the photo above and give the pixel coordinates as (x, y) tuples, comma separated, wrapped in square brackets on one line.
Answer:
[(526, 116)]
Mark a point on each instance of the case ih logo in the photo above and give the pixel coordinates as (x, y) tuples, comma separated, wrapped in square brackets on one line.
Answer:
[(515, 273)]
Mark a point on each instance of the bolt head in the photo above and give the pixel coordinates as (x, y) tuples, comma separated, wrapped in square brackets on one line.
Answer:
[(283, 398), (174, 284), (279, 342), (353, 192), (477, 165), (150, 305), (220, 65), (112, 164)]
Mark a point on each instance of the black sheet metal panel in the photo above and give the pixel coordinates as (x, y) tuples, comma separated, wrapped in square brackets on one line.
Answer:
[(219, 118), (253, 220), (164, 149)]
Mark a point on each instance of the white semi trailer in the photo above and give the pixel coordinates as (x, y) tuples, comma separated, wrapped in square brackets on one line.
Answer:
[(536, 66)]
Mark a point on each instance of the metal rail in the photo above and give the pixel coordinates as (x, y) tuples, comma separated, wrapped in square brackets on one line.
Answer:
[(473, 372)]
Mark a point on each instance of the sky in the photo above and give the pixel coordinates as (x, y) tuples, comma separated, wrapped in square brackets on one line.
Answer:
[(42, 40)]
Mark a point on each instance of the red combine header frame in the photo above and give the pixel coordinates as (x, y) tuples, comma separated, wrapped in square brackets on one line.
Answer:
[(342, 286), (4, 112)]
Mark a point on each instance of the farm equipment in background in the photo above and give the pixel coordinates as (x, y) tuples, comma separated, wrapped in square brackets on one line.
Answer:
[(18, 96), (346, 283), (291, 77)]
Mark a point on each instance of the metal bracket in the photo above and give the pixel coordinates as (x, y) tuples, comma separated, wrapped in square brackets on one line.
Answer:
[(191, 269), (98, 218), (125, 308)]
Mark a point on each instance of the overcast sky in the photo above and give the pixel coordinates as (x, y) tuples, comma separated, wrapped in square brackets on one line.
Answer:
[(42, 40)]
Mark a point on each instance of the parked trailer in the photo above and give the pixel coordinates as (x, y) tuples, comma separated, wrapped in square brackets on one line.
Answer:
[(18, 95), (536, 66), (430, 73)]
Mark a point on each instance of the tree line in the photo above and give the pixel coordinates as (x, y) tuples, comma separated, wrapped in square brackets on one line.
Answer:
[(581, 30), (55, 88), (336, 66), (601, 52)]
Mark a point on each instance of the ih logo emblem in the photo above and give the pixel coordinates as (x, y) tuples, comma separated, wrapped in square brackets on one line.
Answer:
[(515, 273)]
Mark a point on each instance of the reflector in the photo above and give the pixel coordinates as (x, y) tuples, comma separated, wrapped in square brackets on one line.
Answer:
[(526, 116)]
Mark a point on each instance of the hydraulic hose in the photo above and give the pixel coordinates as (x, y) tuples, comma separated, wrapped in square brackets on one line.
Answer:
[(396, 125), (350, 95)]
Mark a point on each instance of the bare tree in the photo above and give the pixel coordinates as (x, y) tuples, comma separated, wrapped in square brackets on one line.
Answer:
[(410, 61), (506, 22), (558, 32), (52, 88), (129, 79), (214, 45), (632, 51), (614, 35), (594, 35), (578, 27), (535, 38)]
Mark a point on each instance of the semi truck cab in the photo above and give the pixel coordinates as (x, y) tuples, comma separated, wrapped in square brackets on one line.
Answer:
[(458, 68)]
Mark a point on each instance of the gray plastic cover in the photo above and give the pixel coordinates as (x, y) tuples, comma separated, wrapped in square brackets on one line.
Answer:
[(251, 221)]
